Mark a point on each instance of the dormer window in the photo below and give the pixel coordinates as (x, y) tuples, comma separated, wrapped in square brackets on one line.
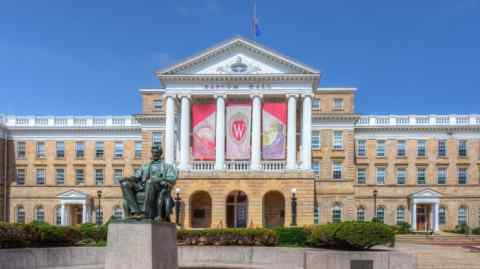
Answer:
[(158, 104), (338, 104)]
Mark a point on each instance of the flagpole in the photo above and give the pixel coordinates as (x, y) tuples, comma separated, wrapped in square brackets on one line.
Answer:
[(253, 20)]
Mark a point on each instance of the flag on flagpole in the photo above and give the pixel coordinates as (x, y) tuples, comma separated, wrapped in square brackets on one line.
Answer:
[(255, 22)]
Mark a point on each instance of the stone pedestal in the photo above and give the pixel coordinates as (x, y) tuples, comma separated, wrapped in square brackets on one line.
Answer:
[(141, 246)]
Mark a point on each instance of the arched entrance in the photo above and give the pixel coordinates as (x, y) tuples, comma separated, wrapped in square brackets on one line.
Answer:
[(237, 209), (273, 209), (201, 209)]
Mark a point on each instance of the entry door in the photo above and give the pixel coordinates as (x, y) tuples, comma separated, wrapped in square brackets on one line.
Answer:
[(422, 218)]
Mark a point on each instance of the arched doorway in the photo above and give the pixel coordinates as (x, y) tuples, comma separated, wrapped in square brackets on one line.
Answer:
[(273, 209), (201, 209), (237, 209)]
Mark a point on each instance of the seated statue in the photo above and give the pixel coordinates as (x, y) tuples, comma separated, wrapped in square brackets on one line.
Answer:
[(147, 193)]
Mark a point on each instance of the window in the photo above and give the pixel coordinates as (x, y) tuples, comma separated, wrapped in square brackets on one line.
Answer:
[(401, 148), (20, 215), (442, 219), (20, 176), (40, 172), (400, 215), (39, 214), (380, 148), (316, 140), (401, 175), (421, 148), (58, 215), (361, 175), (117, 174), (99, 176), (40, 150), (336, 214), (361, 214), (441, 175), (316, 167), (337, 170), (118, 150), (361, 148), (316, 104), (316, 215), (60, 146), (79, 150), (442, 148), (462, 175), (156, 137), (158, 104), (99, 150), (337, 140), (338, 104), (462, 148), (463, 215), (60, 176), (98, 216), (421, 175), (381, 214), (381, 175), (79, 176), (138, 150), (21, 151), (117, 212)]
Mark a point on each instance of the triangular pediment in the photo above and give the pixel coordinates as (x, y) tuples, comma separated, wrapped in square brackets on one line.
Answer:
[(426, 193), (71, 194), (238, 56)]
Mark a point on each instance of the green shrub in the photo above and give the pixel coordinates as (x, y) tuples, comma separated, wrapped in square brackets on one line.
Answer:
[(12, 236), (402, 228), (352, 235), (295, 236), (476, 231), (462, 229), (229, 236)]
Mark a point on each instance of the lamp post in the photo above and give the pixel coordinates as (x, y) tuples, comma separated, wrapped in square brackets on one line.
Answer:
[(178, 203), (99, 197), (375, 192), (294, 208)]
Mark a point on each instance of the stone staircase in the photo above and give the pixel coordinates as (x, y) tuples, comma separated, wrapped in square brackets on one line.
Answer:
[(446, 239)]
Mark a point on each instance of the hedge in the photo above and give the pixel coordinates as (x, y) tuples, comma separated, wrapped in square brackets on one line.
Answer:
[(226, 237), (295, 236)]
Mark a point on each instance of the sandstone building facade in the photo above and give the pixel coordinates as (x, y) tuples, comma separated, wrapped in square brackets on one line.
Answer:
[(248, 129)]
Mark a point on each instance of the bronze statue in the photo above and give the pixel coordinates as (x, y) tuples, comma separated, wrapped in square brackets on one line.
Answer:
[(147, 193)]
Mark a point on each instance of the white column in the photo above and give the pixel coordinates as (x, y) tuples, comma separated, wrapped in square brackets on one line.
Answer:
[(220, 133), (414, 216), (292, 132), (169, 130), (436, 210), (84, 213), (185, 133), (256, 134), (63, 214), (307, 132)]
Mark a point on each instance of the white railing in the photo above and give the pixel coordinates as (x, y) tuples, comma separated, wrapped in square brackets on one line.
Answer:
[(274, 166), (68, 121), (416, 120), (203, 165), (238, 166)]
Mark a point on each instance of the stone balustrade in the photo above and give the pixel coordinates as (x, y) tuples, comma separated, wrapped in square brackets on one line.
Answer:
[(418, 120)]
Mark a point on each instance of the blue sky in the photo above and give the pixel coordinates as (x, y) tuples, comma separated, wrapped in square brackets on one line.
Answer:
[(69, 57)]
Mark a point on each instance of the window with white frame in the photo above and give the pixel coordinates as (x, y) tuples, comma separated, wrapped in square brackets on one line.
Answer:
[(316, 105), (158, 104), (39, 214), (156, 137), (98, 216), (380, 148), (316, 215), (462, 175), (361, 148), (361, 214), (336, 214), (99, 176), (60, 176), (316, 166), (20, 215), (117, 175), (338, 104), (40, 175), (21, 150), (79, 176), (462, 148), (117, 212), (118, 153), (58, 215), (442, 148), (381, 214), (79, 150), (421, 175), (361, 175), (400, 215), (337, 140), (381, 174), (463, 215), (20, 176), (421, 148), (401, 148), (60, 149), (316, 140), (99, 150), (401, 175), (138, 150), (441, 175), (337, 170), (442, 216), (40, 150)]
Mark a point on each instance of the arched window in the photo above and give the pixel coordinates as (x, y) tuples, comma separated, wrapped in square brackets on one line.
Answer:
[(400, 215), (361, 213), (463, 215), (20, 214), (337, 214), (40, 214), (381, 214), (442, 212), (58, 215), (117, 212), (98, 216)]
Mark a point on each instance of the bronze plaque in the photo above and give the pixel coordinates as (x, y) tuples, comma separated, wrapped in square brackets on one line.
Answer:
[(361, 264)]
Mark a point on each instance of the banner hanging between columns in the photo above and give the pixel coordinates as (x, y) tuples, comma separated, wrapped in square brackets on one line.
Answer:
[(239, 115), (274, 126), (203, 131)]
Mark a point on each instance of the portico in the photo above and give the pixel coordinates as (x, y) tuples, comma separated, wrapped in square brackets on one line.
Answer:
[(75, 207), (424, 206)]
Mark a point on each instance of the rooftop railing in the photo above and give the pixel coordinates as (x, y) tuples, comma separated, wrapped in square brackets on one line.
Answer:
[(65, 122), (418, 120)]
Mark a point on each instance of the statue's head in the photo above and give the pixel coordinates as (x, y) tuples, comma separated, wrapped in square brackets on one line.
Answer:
[(157, 151)]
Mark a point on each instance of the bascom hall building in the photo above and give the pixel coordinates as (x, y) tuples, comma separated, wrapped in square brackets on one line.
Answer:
[(249, 129)]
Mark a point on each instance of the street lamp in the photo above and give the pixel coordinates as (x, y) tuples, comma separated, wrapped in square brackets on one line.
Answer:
[(375, 192), (178, 203), (99, 213), (294, 208)]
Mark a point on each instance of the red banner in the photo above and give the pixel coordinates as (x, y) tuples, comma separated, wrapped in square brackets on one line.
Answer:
[(203, 131), (274, 126), (238, 130)]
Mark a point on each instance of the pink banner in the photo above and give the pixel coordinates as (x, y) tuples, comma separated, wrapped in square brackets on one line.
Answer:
[(274, 126), (238, 130), (203, 131)]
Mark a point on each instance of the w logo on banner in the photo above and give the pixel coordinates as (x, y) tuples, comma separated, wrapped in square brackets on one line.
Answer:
[(239, 128)]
